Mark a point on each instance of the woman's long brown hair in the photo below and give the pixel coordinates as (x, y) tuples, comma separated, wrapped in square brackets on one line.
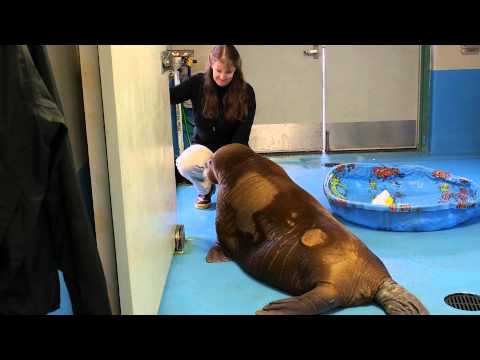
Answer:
[(235, 101)]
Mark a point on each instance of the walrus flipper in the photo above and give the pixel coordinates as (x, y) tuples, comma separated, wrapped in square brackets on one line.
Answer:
[(216, 254), (317, 301), (396, 300)]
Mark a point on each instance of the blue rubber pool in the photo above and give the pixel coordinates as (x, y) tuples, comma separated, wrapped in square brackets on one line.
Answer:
[(424, 199)]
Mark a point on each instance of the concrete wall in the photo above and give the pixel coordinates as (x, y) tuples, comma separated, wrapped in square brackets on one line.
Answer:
[(449, 57), (455, 102)]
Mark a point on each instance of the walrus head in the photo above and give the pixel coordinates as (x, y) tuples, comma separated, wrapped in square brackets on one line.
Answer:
[(227, 158)]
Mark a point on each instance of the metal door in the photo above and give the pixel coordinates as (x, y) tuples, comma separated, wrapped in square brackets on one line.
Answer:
[(288, 88), (372, 96)]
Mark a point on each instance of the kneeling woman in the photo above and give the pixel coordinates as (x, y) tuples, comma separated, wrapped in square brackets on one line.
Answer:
[(223, 107)]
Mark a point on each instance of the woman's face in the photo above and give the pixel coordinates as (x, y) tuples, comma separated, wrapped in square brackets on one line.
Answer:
[(222, 73)]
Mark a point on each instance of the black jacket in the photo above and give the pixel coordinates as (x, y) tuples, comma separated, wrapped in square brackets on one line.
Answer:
[(44, 225), (213, 133)]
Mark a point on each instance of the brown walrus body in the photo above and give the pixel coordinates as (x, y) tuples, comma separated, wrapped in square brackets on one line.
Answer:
[(284, 237)]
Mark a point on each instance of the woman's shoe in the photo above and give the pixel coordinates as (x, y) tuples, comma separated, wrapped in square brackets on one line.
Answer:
[(205, 201)]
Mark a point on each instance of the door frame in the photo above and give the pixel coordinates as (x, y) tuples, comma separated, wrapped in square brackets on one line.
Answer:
[(425, 99), (98, 164), (142, 193)]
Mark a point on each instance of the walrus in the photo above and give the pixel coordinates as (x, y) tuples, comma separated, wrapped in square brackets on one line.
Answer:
[(282, 236)]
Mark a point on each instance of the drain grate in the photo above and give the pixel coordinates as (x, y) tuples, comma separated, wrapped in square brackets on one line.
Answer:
[(462, 301)]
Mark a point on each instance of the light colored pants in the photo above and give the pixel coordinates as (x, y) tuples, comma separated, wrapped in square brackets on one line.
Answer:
[(191, 165)]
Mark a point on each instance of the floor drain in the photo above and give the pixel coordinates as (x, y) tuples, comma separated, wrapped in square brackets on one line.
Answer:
[(461, 301)]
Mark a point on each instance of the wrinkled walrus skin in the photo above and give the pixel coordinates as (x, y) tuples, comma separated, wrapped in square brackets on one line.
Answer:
[(282, 236)]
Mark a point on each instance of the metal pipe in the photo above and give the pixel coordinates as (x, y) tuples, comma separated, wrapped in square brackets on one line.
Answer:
[(324, 103)]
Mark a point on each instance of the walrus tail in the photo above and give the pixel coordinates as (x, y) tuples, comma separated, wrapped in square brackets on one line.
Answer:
[(396, 300)]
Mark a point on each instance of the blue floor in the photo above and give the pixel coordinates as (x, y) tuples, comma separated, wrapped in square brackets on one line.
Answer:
[(429, 264), (65, 307)]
